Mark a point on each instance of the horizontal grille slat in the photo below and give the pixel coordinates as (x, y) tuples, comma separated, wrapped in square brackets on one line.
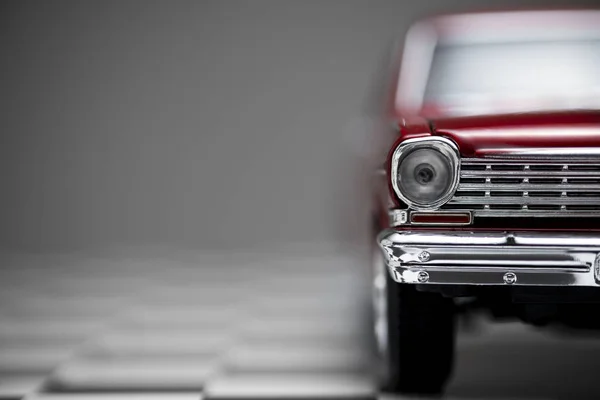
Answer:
[(533, 213), (536, 187), (524, 200), (527, 174), (528, 187), (494, 162)]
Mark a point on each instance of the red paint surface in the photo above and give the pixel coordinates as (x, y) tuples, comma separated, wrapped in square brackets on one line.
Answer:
[(480, 136), (483, 135)]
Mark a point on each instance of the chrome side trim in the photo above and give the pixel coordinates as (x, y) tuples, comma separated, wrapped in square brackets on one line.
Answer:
[(491, 258), (444, 146)]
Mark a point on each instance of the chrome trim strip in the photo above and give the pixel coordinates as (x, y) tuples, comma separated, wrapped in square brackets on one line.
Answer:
[(491, 258), (545, 152), (523, 200), (559, 187), (527, 174), (503, 159), (444, 146)]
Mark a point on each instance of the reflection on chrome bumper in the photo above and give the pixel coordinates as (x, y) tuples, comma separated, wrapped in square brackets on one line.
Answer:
[(492, 258)]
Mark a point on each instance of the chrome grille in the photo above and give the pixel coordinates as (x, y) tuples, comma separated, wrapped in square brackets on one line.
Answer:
[(510, 188)]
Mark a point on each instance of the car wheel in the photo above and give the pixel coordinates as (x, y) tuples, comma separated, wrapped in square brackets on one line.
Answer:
[(415, 335)]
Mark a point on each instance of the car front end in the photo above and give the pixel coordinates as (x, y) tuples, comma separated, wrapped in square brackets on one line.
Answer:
[(519, 206), (489, 197)]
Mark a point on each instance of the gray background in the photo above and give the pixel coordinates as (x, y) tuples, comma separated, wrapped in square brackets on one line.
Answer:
[(195, 124)]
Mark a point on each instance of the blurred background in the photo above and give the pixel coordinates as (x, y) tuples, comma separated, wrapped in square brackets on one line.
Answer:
[(196, 124), (151, 152)]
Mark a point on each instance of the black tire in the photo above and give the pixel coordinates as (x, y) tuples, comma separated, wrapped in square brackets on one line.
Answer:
[(421, 340)]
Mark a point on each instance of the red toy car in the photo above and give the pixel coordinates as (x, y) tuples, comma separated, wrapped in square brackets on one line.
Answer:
[(491, 189)]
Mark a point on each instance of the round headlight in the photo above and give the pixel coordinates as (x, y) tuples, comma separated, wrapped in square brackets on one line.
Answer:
[(425, 172)]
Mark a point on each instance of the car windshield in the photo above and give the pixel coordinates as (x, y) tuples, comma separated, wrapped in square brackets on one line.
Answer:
[(492, 78)]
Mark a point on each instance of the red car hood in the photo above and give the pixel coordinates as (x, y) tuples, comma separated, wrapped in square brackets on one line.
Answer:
[(493, 135)]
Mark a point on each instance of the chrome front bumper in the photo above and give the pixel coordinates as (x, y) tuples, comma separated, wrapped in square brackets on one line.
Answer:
[(491, 258)]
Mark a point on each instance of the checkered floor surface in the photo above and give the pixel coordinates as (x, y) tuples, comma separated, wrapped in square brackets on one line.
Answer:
[(213, 325), (187, 326)]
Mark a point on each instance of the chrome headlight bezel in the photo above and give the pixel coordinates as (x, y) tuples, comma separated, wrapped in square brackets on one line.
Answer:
[(445, 147)]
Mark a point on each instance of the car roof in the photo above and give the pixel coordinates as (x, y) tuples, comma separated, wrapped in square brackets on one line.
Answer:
[(520, 24), (482, 27)]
